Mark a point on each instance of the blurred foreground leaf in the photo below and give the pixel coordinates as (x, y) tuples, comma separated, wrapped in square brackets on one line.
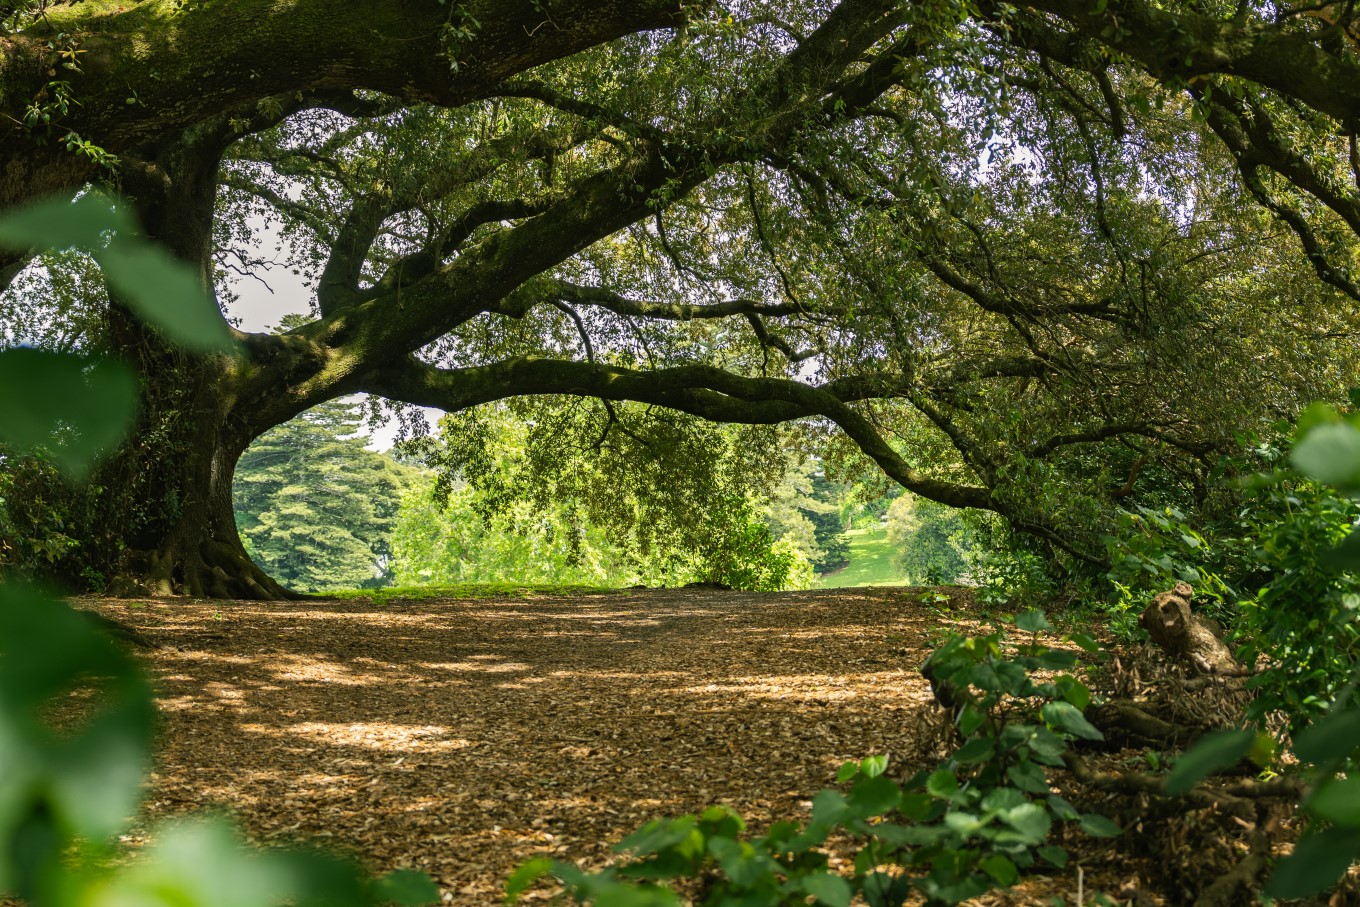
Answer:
[(165, 292), (81, 778), (63, 223), (1213, 753), (73, 407)]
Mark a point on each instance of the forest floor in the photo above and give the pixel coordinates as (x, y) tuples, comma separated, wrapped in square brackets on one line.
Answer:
[(462, 737)]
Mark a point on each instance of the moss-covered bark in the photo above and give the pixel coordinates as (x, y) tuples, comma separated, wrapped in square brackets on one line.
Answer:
[(150, 70)]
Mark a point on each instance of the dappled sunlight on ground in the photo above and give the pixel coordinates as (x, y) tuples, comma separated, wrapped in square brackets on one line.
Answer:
[(463, 737)]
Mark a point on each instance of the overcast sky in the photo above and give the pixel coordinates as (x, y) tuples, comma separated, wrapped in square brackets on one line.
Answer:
[(261, 310)]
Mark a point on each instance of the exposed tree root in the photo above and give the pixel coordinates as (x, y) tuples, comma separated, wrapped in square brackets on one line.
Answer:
[(210, 569), (1128, 724), (1236, 796), (1209, 846)]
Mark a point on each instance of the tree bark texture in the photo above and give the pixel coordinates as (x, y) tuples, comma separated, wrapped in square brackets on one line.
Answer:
[(1187, 636)]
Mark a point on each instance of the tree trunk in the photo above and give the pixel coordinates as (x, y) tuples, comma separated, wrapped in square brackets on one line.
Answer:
[(160, 512), (163, 503), (200, 553), (1187, 636)]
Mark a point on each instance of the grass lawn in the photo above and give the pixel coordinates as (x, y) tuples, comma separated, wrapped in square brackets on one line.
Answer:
[(871, 557), (461, 590)]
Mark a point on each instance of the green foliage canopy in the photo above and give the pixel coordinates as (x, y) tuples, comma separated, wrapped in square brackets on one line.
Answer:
[(1034, 258)]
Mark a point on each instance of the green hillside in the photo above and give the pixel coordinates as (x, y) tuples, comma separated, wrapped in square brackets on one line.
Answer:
[(871, 562)]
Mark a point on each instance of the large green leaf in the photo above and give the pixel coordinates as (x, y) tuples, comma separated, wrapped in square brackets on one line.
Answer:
[(407, 888), (83, 780), (828, 889), (1033, 621), (1330, 454), (165, 292), (1053, 854), (942, 783), (1030, 821), (73, 407), (1334, 736), (1065, 717), (874, 796), (526, 875), (1345, 556), (1215, 752), (201, 863), (1028, 776), (1001, 869), (1317, 862), (1098, 826), (62, 223), (1337, 801), (658, 835)]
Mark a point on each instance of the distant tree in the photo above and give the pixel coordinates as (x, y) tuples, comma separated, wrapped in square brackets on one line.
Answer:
[(449, 539), (314, 506), (929, 538), (824, 511), (805, 510)]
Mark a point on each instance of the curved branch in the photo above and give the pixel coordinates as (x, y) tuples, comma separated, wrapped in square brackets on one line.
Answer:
[(533, 89), (1106, 432), (699, 390), (669, 311), (420, 264), (1177, 43)]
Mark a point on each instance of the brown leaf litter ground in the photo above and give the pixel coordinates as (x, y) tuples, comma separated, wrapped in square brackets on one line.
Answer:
[(462, 737)]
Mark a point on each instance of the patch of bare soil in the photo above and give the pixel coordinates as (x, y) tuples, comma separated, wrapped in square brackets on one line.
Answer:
[(464, 737)]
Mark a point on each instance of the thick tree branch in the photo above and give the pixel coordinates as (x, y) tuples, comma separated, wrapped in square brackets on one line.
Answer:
[(704, 391), (1178, 43)]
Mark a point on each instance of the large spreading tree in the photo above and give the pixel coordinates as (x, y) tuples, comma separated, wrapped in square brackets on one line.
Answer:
[(1022, 255)]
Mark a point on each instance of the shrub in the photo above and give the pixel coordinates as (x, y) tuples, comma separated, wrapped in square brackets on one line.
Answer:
[(1302, 628), (1009, 568), (744, 555)]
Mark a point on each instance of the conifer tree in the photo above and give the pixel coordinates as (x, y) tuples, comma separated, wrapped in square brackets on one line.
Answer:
[(314, 506)]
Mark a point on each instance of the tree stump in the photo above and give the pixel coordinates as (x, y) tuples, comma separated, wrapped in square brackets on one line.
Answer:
[(1186, 636)]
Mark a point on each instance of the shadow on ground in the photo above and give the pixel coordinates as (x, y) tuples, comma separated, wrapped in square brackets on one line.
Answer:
[(463, 737)]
